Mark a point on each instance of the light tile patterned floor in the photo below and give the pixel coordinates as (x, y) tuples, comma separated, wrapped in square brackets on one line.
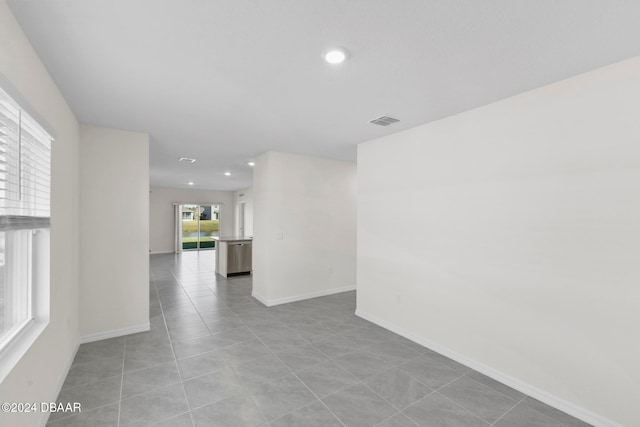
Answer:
[(217, 357)]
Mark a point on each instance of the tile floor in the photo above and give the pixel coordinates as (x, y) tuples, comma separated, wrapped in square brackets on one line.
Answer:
[(217, 357)]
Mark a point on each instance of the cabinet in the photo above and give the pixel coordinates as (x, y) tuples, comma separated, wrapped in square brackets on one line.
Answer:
[(233, 256)]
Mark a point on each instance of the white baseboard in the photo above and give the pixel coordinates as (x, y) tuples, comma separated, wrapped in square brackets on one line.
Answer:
[(285, 300), (63, 377), (161, 252), (260, 298), (143, 327), (528, 389)]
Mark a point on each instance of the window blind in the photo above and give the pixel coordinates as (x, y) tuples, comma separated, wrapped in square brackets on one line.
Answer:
[(25, 169)]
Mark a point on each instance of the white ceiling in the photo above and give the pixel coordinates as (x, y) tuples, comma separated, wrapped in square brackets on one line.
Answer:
[(223, 81)]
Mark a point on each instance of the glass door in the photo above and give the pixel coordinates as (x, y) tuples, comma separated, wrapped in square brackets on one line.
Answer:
[(200, 224)]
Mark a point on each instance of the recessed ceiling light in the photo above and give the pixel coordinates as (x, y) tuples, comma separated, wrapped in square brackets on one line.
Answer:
[(227, 173), (251, 163), (187, 159), (190, 182), (336, 55)]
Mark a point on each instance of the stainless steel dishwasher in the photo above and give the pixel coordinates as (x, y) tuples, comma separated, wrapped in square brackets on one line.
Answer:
[(238, 257)]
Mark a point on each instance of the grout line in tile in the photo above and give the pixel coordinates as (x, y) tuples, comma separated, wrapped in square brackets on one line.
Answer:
[(495, 391), (446, 384), (460, 406), (511, 409), (420, 400), (401, 413), (175, 361), (124, 357)]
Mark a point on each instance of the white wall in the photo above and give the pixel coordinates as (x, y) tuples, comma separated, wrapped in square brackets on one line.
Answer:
[(162, 221), (511, 236), (114, 237), (243, 197), (304, 227), (40, 373)]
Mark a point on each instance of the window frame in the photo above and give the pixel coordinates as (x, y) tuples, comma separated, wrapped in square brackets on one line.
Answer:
[(26, 219)]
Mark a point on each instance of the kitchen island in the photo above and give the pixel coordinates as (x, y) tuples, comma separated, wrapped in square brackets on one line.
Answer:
[(233, 255)]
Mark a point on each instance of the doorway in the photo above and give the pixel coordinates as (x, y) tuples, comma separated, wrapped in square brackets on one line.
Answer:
[(199, 224)]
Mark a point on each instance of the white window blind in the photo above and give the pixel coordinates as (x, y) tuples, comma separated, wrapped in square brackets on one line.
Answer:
[(25, 169)]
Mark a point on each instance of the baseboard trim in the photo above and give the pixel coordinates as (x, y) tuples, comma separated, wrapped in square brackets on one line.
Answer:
[(528, 389), (63, 377), (285, 300), (143, 327), (260, 298), (161, 252)]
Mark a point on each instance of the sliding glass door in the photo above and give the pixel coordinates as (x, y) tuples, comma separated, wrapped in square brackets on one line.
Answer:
[(200, 224)]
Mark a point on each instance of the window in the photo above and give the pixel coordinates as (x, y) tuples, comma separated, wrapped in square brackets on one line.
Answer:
[(25, 162)]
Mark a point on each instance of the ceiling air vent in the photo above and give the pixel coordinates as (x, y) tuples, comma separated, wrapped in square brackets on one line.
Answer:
[(384, 121)]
